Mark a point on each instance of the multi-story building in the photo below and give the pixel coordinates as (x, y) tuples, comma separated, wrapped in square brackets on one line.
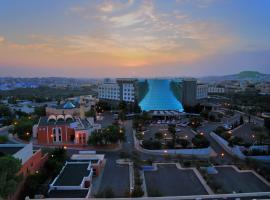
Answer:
[(215, 89), (118, 90), (189, 91), (202, 91)]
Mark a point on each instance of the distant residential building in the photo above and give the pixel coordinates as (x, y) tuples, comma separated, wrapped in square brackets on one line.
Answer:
[(73, 106), (264, 87), (213, 89), (64, 130), (123, 89), (202, 91)]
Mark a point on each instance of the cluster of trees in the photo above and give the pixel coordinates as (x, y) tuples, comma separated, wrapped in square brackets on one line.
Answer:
[(257, 102), (9, 178), (102, 106), (43, 93), (152, 144), (200, 141), (125, 108), (109, 135), (37, 183), (23, 128), (137, 162), (140, 121), (3, 139), (195, 122), (6, 115)]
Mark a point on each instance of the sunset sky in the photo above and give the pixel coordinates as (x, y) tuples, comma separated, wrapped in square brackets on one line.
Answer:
[(126, 38)]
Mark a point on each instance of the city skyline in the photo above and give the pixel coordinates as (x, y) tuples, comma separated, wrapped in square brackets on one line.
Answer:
[(133, 38)]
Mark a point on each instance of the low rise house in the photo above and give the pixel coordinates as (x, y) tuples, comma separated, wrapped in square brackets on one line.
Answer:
[(31, 160), (75, 106), (74, 180), (97, 160), (64, 130)]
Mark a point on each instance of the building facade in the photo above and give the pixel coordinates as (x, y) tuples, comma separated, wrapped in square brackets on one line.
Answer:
[(202, 91), (216, 89), (189, 92), (73, 106), (64, 130), (118, 90)]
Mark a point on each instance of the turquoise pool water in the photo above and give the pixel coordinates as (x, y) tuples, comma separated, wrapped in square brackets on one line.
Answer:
[(160, 97)]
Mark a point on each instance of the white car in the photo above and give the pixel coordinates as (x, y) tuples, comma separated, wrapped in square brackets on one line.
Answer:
[(227, 127), (184, 124)]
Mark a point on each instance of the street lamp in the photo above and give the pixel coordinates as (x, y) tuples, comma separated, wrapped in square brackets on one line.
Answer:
[(222, 155)]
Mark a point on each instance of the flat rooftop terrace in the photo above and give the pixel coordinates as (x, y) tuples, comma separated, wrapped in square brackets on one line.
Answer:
[(72, 174), (68, 193), (9, 150)]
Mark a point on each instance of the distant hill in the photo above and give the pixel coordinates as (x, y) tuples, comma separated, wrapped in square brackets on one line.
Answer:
[(241, 76)]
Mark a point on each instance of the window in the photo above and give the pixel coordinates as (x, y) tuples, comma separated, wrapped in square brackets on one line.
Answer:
[(59, 134)]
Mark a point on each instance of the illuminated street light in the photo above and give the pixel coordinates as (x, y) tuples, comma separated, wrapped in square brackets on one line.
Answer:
[(201, 133), (222, 155), (165, 151), (65, 147), (27, 133)]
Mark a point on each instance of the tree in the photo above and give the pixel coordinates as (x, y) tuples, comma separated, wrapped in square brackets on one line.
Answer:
[(241, 121), (137, 192), (171, 129), (3, 139), (183, 142), (91, 113), (40, 111), (159, 136), (9, 178), (23, 128), (267, 122), (200, 141), (4, 110)]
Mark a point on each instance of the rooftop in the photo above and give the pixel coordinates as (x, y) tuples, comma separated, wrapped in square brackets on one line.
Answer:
[(68, 193), (9, 150), (72, 174)]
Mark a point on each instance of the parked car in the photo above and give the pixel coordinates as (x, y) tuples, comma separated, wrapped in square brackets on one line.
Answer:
[(227, 127), (184, 124)]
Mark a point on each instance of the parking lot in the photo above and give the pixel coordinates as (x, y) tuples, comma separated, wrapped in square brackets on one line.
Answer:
[(181, 132), (115, 176), (232, 181), (168, 180)]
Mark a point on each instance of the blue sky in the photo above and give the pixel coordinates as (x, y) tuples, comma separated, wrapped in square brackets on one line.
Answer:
[(102, 38)]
